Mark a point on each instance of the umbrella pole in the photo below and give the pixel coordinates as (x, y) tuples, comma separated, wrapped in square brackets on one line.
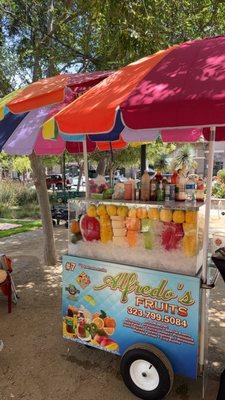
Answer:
[(204, 313), (86, 167), (143, 158)]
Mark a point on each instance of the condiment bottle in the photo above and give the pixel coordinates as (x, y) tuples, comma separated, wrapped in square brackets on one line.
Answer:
[(200, 190), (160, 192), (180, 187), (128, 190), (145, 186), (174, 178), (153, 189)]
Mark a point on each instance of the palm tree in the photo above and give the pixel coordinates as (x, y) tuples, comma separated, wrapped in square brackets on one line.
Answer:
[(161, 163), (184, 159)]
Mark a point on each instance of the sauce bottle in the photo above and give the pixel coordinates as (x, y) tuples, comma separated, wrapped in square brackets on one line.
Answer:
[(200, 190), (153, 189), (160, 192), (145, 186)]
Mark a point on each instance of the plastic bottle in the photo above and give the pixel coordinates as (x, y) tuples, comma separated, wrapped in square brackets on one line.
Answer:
[(167, 192), (160, 192), (128, 190), (153, 189), (145, 186), (180, 194), (200, 190), (174, 178), (190, 190)]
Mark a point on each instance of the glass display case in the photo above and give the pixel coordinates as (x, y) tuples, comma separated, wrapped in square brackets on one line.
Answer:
[(161, 236)]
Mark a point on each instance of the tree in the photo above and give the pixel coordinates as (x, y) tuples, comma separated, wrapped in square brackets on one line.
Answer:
[(42, 38), (21, 165)]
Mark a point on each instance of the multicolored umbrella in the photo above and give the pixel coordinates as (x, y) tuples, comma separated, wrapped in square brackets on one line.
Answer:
[(181, 87), (24, 111)]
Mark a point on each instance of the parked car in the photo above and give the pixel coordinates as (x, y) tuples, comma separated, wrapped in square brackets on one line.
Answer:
[(57, 181)]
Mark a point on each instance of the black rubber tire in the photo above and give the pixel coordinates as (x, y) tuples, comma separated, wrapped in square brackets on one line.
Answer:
[(158, 360)]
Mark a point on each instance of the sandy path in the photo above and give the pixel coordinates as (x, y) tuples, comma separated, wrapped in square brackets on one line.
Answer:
[(34, 364)]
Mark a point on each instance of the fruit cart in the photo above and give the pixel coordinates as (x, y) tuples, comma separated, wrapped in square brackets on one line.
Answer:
[(147, 304), (137, 295)]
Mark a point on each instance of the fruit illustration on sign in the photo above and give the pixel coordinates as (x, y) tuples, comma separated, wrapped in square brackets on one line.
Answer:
[(90, 228)]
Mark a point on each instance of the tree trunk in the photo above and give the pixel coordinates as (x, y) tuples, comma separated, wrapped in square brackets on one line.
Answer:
[(43, 199), (101, 167)]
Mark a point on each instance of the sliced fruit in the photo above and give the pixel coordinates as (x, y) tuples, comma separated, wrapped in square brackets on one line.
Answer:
[(74, 227), (109, 322), (191, 217), (178, 216), (122, 211), (92, 211), (141, 213), (98, 322), (112, 346), (90, 299), (109, 331), (111, 210), (166, 215), (132, 212), (101, 210), (153, 213)]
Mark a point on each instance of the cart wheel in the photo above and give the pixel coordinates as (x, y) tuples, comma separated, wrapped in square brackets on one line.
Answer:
[(147, 372)]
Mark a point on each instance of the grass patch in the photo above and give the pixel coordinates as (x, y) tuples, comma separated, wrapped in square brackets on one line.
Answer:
[(31, 211), (25, 226)]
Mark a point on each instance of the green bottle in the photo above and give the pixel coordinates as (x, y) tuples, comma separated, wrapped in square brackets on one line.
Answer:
[(160, 192)]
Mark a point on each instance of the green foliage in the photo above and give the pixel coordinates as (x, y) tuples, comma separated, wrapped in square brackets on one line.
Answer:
[(16, 194), (161, 163), (219, 190), (21, 164), (39, 38), (221, 175), (157, 148), (184, 158)]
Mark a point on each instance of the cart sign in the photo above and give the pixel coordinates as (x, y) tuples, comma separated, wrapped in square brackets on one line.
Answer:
[(113, 306)]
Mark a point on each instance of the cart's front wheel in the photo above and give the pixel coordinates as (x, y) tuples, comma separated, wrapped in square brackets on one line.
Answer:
[(147, 372)]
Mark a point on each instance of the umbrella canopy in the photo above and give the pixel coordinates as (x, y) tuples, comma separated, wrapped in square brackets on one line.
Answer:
[(24, 111), (181, 87)]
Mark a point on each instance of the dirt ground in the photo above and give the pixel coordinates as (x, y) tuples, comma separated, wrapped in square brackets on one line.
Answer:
[(35, 364)]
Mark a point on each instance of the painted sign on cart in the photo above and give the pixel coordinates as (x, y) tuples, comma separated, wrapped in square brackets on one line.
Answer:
[(113, 306)]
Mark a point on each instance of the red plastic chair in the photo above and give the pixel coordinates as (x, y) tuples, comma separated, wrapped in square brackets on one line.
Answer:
[(5, 279)]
